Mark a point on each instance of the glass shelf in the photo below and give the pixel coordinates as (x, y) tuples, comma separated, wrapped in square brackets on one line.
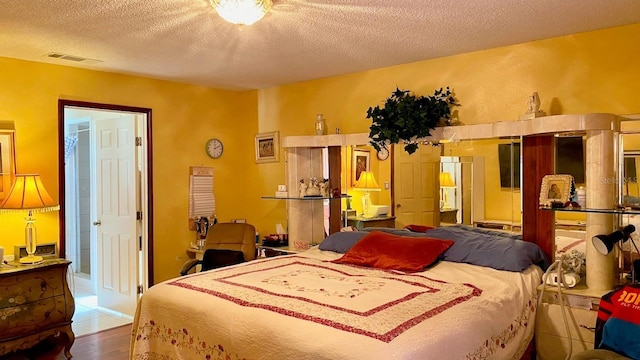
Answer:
[(306, 198), (621, 211)]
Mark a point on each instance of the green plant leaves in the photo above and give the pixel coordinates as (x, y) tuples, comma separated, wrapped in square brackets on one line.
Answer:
[(408, 118)]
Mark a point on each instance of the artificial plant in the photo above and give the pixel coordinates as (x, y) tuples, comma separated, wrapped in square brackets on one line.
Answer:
[(408, 118)]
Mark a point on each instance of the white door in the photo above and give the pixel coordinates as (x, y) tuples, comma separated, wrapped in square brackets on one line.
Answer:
[(416, 186), (116, 206)]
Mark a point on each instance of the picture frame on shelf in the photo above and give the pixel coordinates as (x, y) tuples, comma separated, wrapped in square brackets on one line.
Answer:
[(268, 147), (555, 188), (361, 161), (7, 162)]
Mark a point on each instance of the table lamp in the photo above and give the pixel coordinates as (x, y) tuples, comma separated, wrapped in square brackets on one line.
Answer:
[(446, 182), (367, 182), (28, 193), (604, 243)]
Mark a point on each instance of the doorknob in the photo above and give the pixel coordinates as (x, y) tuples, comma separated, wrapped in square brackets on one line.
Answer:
[(97, 223), (398, 206)]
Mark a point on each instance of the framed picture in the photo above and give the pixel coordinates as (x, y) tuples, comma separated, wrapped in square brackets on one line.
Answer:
[(555, 188), (359, 163), (7, 162), (268, 147)]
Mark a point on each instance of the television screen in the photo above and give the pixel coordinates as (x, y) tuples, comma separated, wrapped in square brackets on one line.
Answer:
[(570, 157), (509, 159), (630, 170)]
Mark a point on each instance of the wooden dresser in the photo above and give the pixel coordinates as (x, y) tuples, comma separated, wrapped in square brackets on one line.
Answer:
[(360, 222), (35, 303)]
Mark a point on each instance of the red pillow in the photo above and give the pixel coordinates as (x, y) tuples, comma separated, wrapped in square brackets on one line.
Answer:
[(388, 251), (418, 228)]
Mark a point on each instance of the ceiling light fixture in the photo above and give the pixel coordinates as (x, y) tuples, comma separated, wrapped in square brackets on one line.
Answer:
[(242, 12)]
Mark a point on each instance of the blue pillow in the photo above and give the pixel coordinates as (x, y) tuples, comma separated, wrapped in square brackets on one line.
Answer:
[(498, 252), (490, 232), (399, 232), (341, 242)]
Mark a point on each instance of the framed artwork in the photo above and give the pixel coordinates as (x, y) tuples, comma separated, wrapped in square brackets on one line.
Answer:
[(359, 163), (7, 162), (555, 188), (268, 147)]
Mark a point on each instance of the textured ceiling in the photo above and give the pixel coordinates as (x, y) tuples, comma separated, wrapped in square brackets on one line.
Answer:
[(186, 41)]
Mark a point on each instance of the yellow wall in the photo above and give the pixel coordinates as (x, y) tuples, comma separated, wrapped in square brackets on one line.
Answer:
[(581, 73), (183, 118)]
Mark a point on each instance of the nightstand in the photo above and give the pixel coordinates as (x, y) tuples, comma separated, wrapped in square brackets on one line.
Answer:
[(449, 216), (360, 222), (35, 303), (551, 336)]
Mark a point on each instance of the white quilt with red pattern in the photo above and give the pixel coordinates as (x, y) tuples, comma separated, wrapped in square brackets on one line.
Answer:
[(304, 307)]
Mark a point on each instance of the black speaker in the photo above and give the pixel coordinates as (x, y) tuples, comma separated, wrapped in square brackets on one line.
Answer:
[(635, 271)]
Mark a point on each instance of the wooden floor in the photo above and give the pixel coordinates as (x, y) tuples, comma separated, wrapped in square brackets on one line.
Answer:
[(112, 344)]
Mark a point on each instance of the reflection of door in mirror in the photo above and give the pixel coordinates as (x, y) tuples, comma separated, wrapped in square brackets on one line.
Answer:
[(467, 195)]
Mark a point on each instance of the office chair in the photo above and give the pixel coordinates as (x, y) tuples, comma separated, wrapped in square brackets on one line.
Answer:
[(226, 244)]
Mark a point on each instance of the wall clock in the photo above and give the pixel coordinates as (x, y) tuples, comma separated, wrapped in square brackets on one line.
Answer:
[(214, 148), (383, 154)]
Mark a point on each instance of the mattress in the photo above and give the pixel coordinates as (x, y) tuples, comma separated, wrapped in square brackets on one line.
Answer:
[(303, 306)]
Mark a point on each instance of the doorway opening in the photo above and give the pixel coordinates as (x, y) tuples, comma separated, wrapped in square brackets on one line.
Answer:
[(105, 200)]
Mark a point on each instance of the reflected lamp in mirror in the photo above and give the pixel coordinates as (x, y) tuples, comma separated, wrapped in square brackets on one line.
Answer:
[(604, 244), (446, 182), (28, 194), (367, 182)]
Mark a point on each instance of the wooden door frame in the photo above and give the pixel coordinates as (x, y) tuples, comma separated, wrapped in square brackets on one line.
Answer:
[(62, 103)]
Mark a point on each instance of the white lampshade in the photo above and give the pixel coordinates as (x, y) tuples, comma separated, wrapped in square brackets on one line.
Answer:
[(28, 194), (446, 180), (367, 182)]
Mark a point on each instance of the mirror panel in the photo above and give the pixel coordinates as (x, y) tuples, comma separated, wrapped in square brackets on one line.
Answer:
[(570, 159), (630, 141), (488, 173)]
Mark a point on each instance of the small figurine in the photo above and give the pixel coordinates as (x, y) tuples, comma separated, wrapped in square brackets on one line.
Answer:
[(533, 106), (303, 188), (323, 188), (313, 189)]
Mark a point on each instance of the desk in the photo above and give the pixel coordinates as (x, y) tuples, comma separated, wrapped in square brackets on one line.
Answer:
[(499, 225), (449, 216), (360, 222), (35, 303)]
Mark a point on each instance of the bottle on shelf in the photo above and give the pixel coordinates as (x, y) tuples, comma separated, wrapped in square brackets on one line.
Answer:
[(320, 125), (582, 197)]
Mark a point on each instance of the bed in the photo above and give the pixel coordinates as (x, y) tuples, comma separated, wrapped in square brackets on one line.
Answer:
[(309, 306)]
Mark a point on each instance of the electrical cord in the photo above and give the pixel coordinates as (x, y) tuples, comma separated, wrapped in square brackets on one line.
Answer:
[(557, 266)]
